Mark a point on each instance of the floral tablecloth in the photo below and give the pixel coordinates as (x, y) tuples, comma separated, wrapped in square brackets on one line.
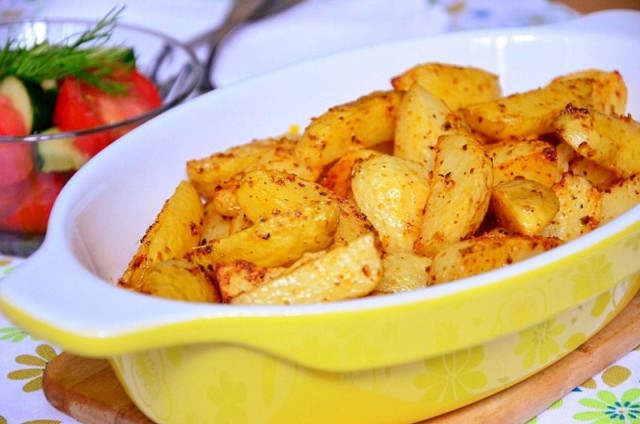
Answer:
[(611, 396)]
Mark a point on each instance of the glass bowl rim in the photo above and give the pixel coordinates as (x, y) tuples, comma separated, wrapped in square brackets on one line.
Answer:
[(196, 68)]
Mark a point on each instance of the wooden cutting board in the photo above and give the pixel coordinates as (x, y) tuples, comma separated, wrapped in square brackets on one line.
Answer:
[(89, 391)]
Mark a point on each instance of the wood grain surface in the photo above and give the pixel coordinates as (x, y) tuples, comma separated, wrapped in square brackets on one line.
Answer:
[(588, 6)]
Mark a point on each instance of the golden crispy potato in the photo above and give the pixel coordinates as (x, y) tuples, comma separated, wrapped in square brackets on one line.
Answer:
[(436, 180), (568, 160), (620, 197), (276, 241), (459, 195), (610, 91), (456, 85), (485, 253), (223, 199), (529, 113), (338, 176), (365, 122), (179, 279), (239, 223), (175, 231), (263, 193), (214, 225), (564, 154), (613, 142), (255, 190), (392, 193), (352, 225), (237, 277), (599, 176), (579, 213), (422, 118), (403, 272), (273, 153), (523, 206), (532, 159), (344, 272)]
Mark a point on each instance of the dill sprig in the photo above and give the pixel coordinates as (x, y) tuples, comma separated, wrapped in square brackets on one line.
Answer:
[(85, 58)]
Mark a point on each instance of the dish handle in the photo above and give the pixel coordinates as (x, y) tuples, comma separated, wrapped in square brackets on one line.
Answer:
[(41, 295)]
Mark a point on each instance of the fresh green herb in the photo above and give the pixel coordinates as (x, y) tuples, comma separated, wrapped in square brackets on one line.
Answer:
[(84, 57)]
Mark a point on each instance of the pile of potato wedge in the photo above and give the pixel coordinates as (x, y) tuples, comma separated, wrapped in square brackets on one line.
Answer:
[(438, 178)]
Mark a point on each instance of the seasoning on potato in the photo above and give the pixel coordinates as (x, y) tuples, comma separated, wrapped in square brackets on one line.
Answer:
[(435, 179)]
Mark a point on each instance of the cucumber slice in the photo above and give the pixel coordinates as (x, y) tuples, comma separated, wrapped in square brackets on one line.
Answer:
[(58, 155), (34, 102), (49, 85)]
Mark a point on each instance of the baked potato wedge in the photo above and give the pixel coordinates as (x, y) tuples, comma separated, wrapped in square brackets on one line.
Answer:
[(344, 272), (456, 85), (353, 223), (530, 158), (402, 272), (338, 177), (263, 193), (580, 208), (392, 193), (237, 277), (272, 153), (601, 177), (422, 118), (485, 253), (362, 123), (620, 197), (459, 195), (180, 279), (279, 240), (564, 155), (530, 113), (610, 91), (214, 225), (223, 199), (611, 141), (176, 230), (239, 223), (523, 206)]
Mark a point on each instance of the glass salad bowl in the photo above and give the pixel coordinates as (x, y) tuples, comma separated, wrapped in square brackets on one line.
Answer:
[(51, 127)]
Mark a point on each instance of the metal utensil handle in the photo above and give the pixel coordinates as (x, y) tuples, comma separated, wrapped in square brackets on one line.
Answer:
[(240, 12)]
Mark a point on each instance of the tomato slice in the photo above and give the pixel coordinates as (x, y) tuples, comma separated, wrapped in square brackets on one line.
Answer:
[(142, 96), (12, 195), (32, 214), (82, 106), (12, 122), (16, 162)]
